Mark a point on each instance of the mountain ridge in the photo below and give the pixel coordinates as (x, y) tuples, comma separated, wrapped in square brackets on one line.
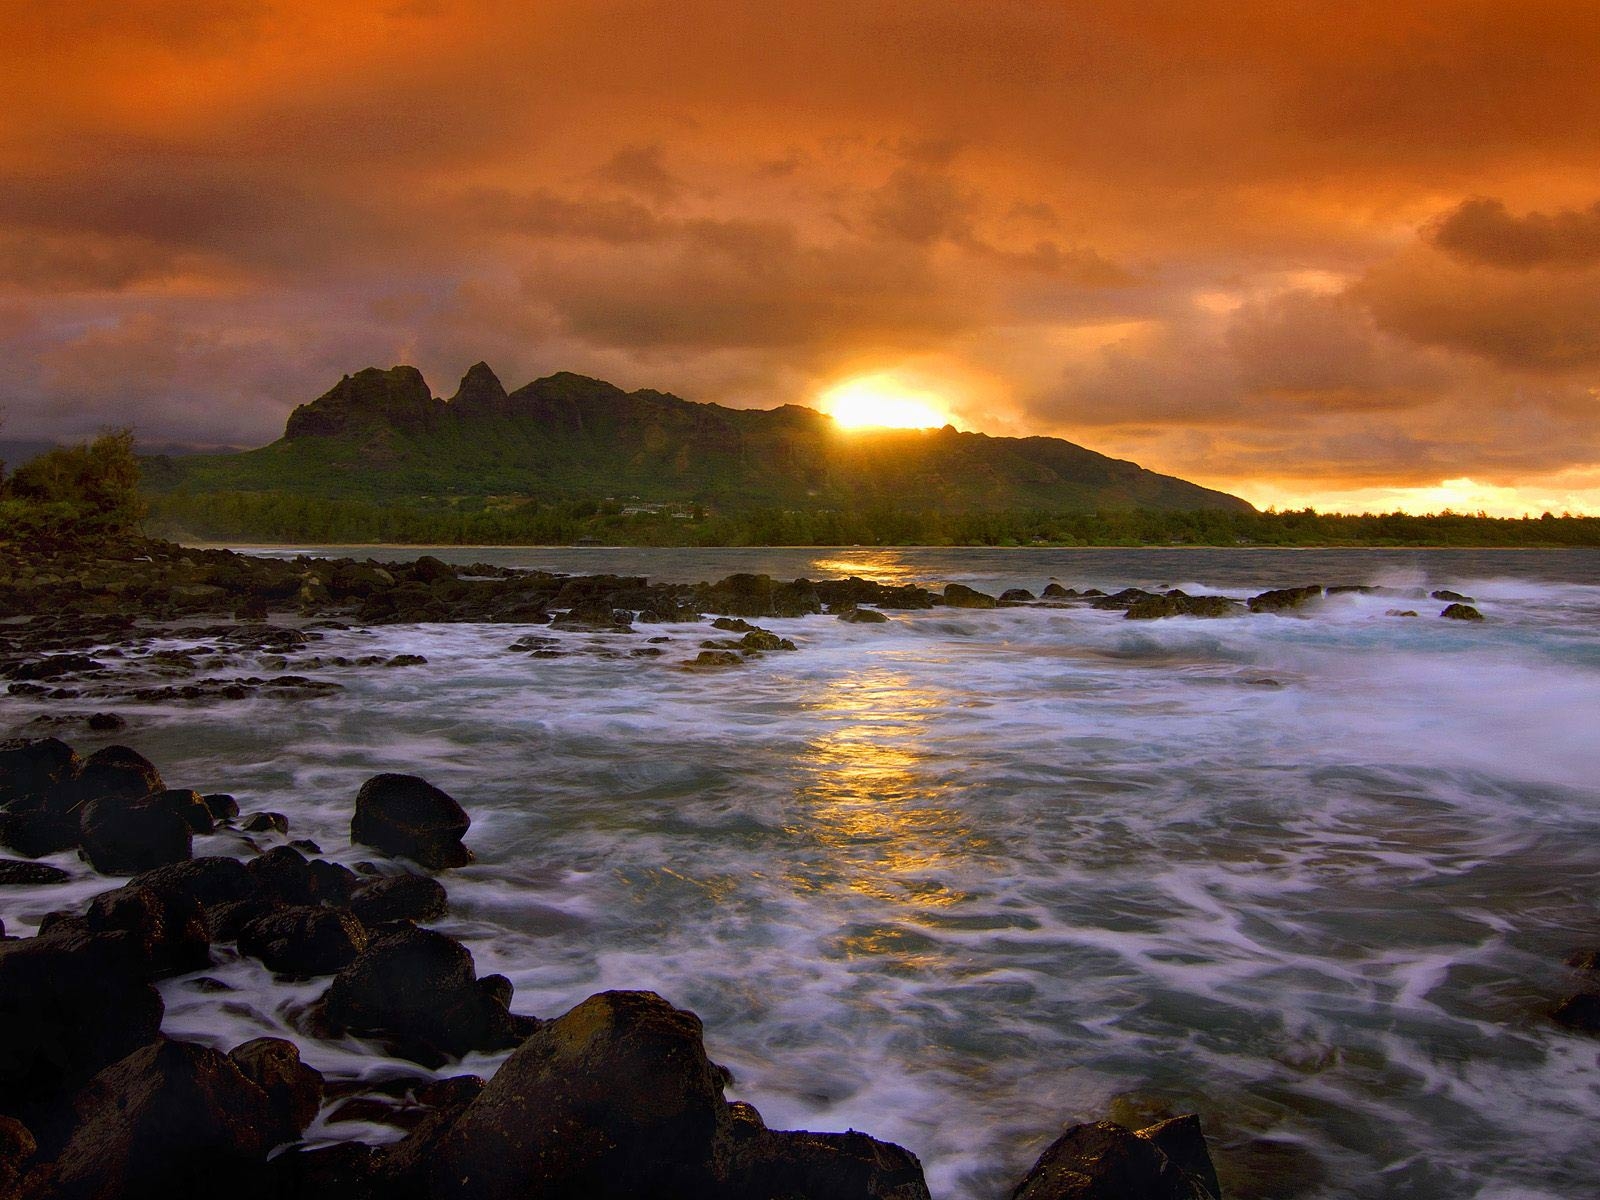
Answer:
[(382, 433)]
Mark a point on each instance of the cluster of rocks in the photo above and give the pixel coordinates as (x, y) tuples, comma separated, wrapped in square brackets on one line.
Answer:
[(614, 1098)]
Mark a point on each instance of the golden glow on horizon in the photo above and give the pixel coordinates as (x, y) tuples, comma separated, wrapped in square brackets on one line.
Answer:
[(1574, 492), (883, 402)]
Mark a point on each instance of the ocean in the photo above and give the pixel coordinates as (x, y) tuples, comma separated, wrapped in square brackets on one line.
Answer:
[(969, 876)]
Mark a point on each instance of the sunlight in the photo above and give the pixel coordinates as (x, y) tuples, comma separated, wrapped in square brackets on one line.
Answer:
[(883, 402)]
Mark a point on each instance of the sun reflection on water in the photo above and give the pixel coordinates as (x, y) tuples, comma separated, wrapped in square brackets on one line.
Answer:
[(873, 799)]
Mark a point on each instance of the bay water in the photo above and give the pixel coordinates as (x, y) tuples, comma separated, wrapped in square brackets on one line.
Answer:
[(969, 876)]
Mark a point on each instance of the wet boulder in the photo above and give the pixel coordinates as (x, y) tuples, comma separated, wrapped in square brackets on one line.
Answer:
[(70, 1003), (118, 772), (1104, 1161), (407, 816), (122, 836), (33, 768), (191, 806), (1283, 599), (210, 880), (1461, 612), (222, 806), (168, 926), (617, 1099), (294, 1090), (959, 595), (405, 897), (171, 1119), (303, 939), (284, 874), (614, 1098), (1017, 596), (416, 990)]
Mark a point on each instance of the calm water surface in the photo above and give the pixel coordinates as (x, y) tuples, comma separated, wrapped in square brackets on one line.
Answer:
[(962, 878)]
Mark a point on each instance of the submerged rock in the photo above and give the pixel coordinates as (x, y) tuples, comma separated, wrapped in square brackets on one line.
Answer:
[(1461, 612), (29, 874), (407, 816), (863, 616), (1177, 604)]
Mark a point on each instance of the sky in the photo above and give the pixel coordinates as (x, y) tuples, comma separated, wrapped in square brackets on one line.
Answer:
[(1344, 254)]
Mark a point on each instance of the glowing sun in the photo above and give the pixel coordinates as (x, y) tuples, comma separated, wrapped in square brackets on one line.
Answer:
[(882, 402)]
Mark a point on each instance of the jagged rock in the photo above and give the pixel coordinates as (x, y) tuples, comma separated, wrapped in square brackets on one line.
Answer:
[(124, 837), (368, 401), (403, 1167), (1461, 612), (70, 1003), (406, 897), (407, 816), (1280, 599), (959, 595), (416, 989), (304, 940), (168, 925), (1104, 1161), (29, 874), (745, 595), (294, 1090), (820, 1166), (171, 1119)]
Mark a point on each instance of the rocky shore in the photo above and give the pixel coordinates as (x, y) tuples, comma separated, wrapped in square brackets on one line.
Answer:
[(615, 1098)]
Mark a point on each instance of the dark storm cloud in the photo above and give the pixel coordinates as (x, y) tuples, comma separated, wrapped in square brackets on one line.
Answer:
[(1483, 232)]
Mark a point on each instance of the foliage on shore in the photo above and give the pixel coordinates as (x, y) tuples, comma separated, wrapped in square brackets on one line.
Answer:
[(73, 494), (287, 517)]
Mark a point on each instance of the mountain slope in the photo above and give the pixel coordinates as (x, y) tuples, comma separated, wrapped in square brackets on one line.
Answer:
[(382, 434)]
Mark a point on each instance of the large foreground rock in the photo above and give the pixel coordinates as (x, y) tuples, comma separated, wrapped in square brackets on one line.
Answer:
[(617, 1099), (1104, 1161), (70, 1003), (171, 1119), (407, 816)]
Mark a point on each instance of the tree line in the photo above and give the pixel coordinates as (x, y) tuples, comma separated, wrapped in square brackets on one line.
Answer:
[(288, 517)]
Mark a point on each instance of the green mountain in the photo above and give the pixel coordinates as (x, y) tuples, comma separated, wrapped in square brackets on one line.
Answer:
[(383, 435)]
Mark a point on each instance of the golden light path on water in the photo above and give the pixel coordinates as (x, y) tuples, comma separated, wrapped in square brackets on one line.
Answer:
[(873, 798)]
